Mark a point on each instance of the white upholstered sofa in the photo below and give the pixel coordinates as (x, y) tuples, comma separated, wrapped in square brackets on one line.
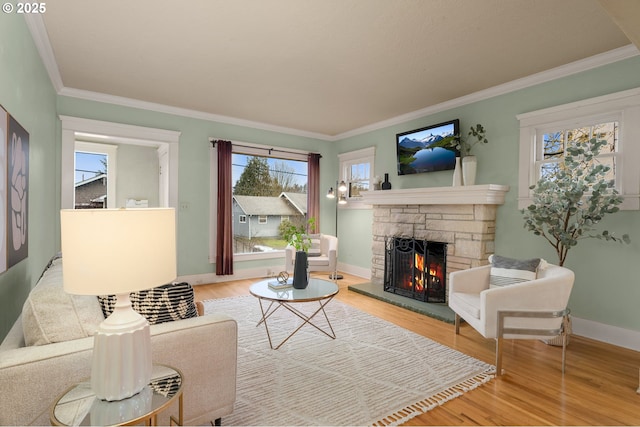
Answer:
[(326, 259), (204, 348)]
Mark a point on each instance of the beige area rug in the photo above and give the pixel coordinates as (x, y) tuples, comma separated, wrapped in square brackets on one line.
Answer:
[(373, 373)]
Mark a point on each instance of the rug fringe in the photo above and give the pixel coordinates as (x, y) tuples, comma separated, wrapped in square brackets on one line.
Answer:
[(411, 411)]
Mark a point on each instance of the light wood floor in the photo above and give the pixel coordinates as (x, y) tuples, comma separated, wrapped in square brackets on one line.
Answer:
[(598, 388)]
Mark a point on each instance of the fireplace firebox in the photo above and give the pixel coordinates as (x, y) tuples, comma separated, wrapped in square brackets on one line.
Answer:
[(416, 269)]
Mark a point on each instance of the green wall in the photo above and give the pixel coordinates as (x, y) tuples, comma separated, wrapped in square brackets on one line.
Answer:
[(27, 94), (606, 288), (194, 170)]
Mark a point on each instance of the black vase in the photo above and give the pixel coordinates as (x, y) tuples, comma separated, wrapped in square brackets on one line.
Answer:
[(300, 277), (386, 185)]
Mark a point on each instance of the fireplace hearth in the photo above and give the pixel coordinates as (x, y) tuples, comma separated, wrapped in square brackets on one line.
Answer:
[(416, 268)]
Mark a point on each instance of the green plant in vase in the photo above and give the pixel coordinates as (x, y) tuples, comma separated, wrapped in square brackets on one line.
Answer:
[(464, 145), (298, 237)]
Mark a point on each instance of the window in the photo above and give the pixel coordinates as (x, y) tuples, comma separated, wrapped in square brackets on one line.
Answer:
[(552, 146), (94, 175), (267, 184), (356, 169), (545, 135)]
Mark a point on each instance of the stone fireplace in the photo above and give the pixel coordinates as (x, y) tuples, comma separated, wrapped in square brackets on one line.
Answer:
[(463, 217)]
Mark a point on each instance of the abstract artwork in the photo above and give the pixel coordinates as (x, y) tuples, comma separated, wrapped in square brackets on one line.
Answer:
[(3, 189), (17, 192)]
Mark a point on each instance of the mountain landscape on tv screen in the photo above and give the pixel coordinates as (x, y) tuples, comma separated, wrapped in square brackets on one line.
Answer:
[(425, 153)]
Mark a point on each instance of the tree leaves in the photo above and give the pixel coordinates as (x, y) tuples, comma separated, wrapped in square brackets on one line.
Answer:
[(571, 200)]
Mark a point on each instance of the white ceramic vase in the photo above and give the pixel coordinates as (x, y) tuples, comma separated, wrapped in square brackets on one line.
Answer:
[(469, 164), (457, 173)]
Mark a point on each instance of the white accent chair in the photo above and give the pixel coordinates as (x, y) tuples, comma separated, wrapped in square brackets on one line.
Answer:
[(536, 309), (326, 261)]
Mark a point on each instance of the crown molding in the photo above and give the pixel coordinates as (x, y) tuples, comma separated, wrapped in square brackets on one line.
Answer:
[(194, 114), (35, 24), (38, 31), (575, 67)]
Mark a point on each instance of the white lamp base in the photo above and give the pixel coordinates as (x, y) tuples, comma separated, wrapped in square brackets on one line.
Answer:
[(121, 353)]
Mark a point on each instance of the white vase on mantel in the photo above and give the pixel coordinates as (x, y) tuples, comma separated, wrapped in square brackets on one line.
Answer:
[(457, 173), (469, 164)]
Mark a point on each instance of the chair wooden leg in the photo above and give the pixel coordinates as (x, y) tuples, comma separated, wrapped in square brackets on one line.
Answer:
[(498, 356), (457, 323)]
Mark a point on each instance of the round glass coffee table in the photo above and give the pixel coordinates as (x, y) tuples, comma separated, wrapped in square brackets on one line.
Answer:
[(319, 290)]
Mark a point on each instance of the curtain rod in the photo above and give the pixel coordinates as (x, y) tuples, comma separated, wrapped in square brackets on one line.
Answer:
[(213, 142)]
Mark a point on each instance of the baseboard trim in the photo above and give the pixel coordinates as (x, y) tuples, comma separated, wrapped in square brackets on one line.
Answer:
[(615, 335)]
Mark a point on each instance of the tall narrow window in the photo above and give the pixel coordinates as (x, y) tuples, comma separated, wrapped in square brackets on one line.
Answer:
[(356, 169), (91, 180)]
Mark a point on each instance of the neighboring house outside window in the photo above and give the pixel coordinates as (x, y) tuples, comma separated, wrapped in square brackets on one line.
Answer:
[(257, 219), (357, 170), (546, 134)]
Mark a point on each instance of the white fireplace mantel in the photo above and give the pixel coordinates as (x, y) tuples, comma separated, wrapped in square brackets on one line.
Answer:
[(486, 194)]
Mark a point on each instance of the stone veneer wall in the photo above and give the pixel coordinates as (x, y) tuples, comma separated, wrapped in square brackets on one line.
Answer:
[(469, 231)]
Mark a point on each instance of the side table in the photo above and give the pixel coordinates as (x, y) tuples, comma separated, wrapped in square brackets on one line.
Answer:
[(79, 405)]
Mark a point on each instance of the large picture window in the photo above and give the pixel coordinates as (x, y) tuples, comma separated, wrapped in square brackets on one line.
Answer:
[(545, 136), (266, 189)]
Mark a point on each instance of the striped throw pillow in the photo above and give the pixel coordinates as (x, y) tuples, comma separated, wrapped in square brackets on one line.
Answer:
[(166, 303), (508, 271)]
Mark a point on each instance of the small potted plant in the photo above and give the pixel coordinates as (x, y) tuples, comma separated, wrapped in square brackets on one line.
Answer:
[(476, 135), (298, 237)]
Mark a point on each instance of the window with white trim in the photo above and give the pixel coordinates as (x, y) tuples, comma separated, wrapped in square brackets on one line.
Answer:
[(357, 171), (242, 219), (262, 219), (546, 134)]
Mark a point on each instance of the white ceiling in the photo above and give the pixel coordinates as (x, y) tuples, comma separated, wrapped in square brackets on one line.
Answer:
[(318, 67)]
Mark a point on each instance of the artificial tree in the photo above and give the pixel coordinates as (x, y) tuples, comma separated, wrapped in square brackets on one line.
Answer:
[(572, 199)]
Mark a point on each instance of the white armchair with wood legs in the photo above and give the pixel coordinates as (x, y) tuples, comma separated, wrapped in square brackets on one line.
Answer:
[(327, 260), (534, 309)]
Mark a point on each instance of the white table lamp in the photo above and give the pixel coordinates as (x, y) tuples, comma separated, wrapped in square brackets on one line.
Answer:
[(118, 251)]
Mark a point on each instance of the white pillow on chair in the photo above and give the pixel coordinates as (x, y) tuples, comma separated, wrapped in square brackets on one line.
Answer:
[(509, 271)]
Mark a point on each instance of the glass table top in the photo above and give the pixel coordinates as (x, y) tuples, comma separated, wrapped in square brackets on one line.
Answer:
[(79, 406), (316, 290)]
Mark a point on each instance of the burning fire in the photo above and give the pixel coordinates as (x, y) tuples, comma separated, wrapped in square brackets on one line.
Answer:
[(434, 274)]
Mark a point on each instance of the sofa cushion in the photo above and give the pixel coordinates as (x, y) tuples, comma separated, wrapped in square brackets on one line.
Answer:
[(51, 315), (509, 271), (166, 303)]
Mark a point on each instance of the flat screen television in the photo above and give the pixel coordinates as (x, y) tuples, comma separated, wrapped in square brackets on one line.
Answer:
[(421, 150)]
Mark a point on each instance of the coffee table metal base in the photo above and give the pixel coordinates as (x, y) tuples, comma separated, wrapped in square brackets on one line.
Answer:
[(275, 305)]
